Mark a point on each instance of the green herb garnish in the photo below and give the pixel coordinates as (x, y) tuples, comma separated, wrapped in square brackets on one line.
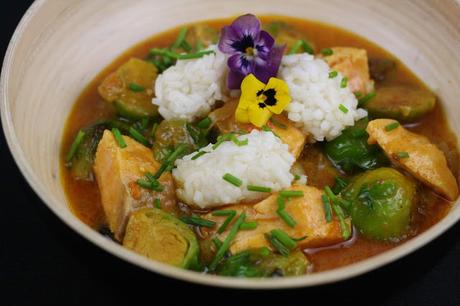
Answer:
[(327, 51), (291, 193), (232, 179), (333, 74), (343, 108), (259, 188), (327, 208), (344, 82), (366, 98), (230, 215), (391, 126), (245, 226), (197, 155), (138, 136), (180, 38), (73, 148), (136, 87), (198, 221), (400, 155), (157, 203), (205, 123)]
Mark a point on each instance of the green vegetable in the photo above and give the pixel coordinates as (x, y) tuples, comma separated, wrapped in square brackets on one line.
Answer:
[(263, 263), (343, 108), (127, 88), (259, 188), (169, 135), (161, 236), (248, 226), (74, 146), (138, 136), (286, 217), (198, 221), (230, 214), (327, 208), (401, 103), (391, 126), (281, 241), (333, 74), (205, 123), (232, 179), (226, 244), (379, 68), (381, 203), (344, 82), (81, 162), (291, 193), (180, 38), (327, 51), (363, 100), (351, 153)]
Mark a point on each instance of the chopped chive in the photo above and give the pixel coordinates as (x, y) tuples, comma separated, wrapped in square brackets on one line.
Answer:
[(232, 180), (297, 177), (180, 38), (226, 244), (170, 160), (306, 46), (154, 129), (281, 202), (340, 184), (246, 226), (267, 129), (327, 51), (217, 242), (259, 188), (197, 221), (330, 194), (327, 208), (186, 46), (286, 217), (153, 181), (295, 47), (391, 126), (402, 155), (166, 53), (333, 74), (344, 82), (300, 238), (264, 251), (224, 212), (136, 87), (284, 238), (197, 155), (278, 123), (157, 203), (343, 108), (73, 148), (366, 98), (138, 136), (205, 123), (227, 221), (144, 123), (238, 142), (358, 94), (118, 138), (281, 248), (343, 226), (291, 193), (147, 184)]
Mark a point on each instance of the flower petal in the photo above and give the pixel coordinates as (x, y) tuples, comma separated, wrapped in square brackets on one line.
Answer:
[(264, 44), (250, 87), (234, 79), (282, 95), (238, 62), (228, 36), (258, 116), (264, 71), (247, 25)]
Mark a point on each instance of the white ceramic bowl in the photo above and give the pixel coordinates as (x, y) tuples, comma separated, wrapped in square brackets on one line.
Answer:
[(59, 46)]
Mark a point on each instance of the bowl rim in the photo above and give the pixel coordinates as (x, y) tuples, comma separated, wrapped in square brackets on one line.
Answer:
[(119, 251)]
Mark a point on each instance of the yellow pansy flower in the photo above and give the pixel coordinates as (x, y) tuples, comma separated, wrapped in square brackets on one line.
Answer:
[(259, 101)]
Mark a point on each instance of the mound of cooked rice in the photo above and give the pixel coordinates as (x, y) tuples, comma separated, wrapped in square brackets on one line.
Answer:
[(317, 98), (264, 161), (190, 88)]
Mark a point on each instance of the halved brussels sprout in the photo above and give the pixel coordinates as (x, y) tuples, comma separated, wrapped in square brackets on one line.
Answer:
[(350, 151), (161, 236), (401, 103), (263, 263), (381, 203)]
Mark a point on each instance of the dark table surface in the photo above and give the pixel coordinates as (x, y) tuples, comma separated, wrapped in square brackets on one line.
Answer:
[(42, 261)]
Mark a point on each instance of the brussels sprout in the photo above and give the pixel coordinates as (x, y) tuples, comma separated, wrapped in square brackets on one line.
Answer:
[(350, 151), (161, 236), (381, 203), (401, 103), (130, 88), (263, 263), (171, 133)]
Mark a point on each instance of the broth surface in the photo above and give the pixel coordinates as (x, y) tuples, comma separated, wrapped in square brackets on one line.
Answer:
[(84, 198)]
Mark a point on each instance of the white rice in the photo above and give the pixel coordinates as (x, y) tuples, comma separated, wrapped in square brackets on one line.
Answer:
[(316, 97), (190, 88), (264, 161)]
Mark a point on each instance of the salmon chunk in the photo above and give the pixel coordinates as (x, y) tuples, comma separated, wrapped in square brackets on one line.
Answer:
[(307, 211), (423, 159), (224, 119), (352, 63), (117, 171)]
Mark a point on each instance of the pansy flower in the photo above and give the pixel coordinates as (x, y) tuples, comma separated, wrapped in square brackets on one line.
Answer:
[(259, 101), (250, 50)]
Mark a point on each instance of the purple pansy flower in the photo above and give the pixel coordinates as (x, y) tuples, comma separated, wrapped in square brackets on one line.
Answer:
[(251, 51)]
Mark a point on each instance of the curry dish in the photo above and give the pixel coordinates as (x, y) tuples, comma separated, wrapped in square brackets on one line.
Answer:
[(258, 147)]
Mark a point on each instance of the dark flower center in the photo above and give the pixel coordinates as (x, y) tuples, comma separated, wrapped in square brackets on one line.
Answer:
[(269, 100), (245, 45)]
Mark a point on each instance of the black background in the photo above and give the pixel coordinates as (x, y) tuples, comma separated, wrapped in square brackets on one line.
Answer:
[(42, 261)]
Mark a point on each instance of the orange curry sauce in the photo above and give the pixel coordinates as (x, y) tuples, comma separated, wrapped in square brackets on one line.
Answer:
[(84, 197)]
